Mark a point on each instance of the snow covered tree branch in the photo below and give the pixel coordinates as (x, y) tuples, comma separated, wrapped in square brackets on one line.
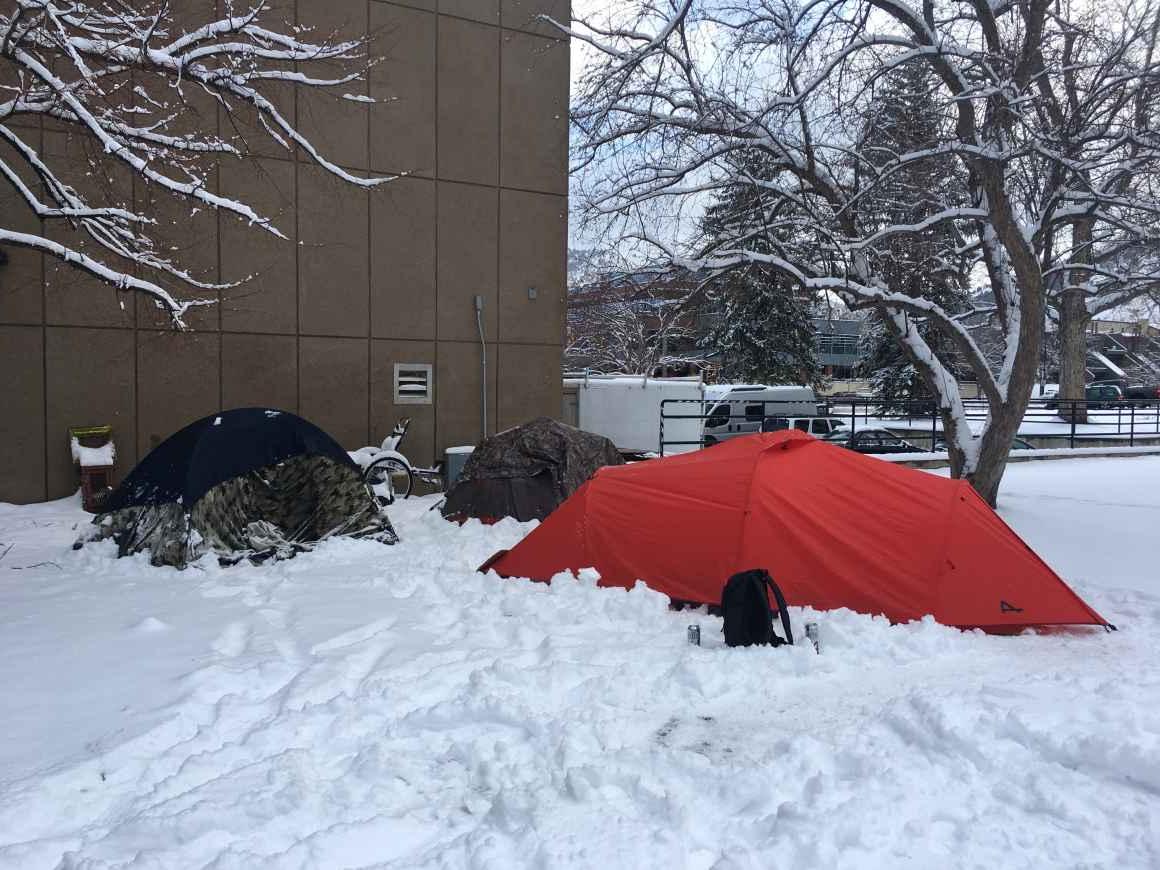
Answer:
[(1094, 186), (1042, 122), (121, 76)]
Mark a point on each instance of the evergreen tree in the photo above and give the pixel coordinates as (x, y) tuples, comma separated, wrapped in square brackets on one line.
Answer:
[(892, 376), (902, 117), (763, 332), (761, 325)]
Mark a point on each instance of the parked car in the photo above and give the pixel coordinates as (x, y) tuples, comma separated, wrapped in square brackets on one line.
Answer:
[(872, 441), (819, 427), (1149, 394), (1018, 444), (1097, 396)]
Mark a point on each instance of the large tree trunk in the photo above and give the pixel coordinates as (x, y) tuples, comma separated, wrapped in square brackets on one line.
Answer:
[(1073, 324), (985, 472), (1007, 415), (992, 462)]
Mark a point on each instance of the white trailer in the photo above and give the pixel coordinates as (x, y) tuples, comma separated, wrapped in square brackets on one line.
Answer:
[(627, 409)]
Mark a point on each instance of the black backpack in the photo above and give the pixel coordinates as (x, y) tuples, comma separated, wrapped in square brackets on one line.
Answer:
[(748, 616)]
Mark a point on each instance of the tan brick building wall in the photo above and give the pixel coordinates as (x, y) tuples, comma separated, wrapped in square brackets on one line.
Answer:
[(477, 115)]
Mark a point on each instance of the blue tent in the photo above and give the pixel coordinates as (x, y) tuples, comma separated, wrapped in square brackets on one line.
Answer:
[(246, 483), (191, 462)]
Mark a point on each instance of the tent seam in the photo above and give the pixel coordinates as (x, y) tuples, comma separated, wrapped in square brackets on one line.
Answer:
[(943, 556), (775, 441)]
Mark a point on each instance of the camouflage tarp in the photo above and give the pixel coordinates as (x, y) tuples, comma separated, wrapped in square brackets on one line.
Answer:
[(527, 471), (271, 512)]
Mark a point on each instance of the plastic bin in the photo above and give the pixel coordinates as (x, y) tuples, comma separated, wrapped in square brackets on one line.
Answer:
[(454, 458)]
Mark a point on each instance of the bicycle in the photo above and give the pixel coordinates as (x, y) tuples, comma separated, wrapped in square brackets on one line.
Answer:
[(390, 474)]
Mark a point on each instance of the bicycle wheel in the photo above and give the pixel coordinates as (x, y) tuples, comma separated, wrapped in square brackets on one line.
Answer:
[(389, 478)]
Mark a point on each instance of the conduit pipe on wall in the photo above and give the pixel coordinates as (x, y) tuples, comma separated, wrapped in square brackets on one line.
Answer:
[(482, 365)]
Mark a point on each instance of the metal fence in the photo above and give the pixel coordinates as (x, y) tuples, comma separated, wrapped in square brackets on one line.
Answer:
[(1046, 423)]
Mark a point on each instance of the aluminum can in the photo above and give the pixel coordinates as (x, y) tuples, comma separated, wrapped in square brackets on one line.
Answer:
[(812, 634), (695, 635)]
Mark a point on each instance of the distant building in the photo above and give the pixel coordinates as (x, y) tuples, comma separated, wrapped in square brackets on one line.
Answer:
[(1123, 358), (1100, 326), (838, 343), (649, 321)]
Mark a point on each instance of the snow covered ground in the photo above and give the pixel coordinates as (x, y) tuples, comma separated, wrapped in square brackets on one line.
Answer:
[(371, 706)]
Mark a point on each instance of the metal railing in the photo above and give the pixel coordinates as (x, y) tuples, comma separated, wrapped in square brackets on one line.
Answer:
[(741, 418), (1046, 423)]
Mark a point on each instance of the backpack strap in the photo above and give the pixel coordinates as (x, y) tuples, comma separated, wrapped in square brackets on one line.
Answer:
[(781, 607)]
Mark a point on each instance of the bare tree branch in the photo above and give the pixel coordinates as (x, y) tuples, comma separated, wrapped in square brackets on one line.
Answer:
[(1048, 113), (100, 69)]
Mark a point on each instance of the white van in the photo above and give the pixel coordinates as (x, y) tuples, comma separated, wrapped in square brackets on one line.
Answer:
[(742, 409), (819, 427)]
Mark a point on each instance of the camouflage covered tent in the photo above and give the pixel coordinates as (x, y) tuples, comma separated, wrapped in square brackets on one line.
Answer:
[(527, 471), (251, 483)]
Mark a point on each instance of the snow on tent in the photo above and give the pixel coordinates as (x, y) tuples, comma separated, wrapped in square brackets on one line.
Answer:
[(250, 482), (527, 471), (834, 528)]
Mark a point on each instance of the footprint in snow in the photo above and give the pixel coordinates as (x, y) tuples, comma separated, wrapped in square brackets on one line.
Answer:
[(232, 642), (151, 625), (354, 636), (665, 731)]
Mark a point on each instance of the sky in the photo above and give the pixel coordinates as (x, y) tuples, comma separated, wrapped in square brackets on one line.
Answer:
[(677, 222), (580, 52)]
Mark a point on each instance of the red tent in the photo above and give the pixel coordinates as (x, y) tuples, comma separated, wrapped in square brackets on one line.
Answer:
[(834, 528)]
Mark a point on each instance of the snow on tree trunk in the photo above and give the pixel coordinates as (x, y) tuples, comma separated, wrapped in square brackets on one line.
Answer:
[(1006, 417)]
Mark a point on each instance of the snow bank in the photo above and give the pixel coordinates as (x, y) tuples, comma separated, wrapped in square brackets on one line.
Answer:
[(388, 706)]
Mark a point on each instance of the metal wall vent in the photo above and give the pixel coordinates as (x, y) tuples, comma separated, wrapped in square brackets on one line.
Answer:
[(413, 382)]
